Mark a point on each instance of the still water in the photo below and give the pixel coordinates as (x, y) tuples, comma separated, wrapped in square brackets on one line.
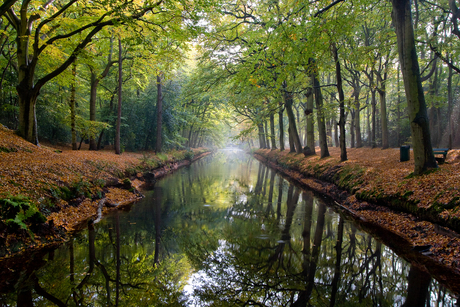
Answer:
[(226, 231)]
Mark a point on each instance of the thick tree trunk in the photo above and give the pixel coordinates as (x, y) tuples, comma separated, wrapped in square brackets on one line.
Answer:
[(158, 144), (343, 148), (291, 140), (262, 144), (292, 122), (421, 142)]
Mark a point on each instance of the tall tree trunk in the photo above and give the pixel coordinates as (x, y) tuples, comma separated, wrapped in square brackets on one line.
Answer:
[(281, 126), (158, 144), (329, 132), (272, 130), (383, 118), (26, 91), (352, 128), (319, 112), (450, 106), (359, 142), (398, 111), (310, 120), (383, 108), (291, 141), (288, 100), (342, 121), (267, 140), (120, 83), (262, 144), (420, 130), (92, 106), (374, 119), (73, 90)]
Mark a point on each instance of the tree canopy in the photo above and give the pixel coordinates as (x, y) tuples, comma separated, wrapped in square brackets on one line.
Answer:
[(258, 74)]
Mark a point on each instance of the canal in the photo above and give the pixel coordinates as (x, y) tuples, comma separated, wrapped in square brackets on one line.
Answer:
[(226, 231)]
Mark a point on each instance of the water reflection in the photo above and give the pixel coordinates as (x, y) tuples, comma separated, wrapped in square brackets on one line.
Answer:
[(227, 231)]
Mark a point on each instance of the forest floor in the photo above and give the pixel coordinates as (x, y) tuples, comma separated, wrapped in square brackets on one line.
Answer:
[(68, 187), (379, 191)]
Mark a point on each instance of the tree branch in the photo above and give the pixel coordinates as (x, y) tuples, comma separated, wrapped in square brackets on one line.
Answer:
[(327, 7), (446, 61)]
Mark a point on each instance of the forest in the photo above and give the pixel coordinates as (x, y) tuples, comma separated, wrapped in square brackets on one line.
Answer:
[(101, 98), (146, 75)]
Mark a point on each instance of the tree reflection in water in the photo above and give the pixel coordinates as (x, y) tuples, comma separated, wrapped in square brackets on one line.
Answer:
[(228, 231)]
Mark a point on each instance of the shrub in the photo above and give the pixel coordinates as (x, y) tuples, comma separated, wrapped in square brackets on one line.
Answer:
[(18, 212)]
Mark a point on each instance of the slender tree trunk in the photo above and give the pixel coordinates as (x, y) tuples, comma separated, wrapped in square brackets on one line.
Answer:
[(420, 130), (450, 106), (72, 106), (120, 83), (352, 128), (383, 109), (158, 144), (359, 142), (267, 140), (310, 120), (398, 112), (320, 113), (383, 117), (342, 121), (92, 107), (272, 130), (99, 140), (281, 126)]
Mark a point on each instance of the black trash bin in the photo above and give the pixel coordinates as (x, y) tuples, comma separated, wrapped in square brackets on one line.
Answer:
[(404, 153)]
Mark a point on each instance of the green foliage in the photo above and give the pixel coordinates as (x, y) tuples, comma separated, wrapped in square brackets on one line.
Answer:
[(8, 150), (19, 212), (189, 154), (81, 188)]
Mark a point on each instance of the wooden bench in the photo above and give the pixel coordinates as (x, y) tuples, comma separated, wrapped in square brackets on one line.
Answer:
[(438, 152)]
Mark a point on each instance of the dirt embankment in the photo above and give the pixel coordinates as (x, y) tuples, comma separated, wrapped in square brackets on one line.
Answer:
[(48, 191), (379, 191)]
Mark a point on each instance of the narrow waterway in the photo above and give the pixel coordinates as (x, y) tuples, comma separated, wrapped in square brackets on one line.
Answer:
[(226, 231)]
